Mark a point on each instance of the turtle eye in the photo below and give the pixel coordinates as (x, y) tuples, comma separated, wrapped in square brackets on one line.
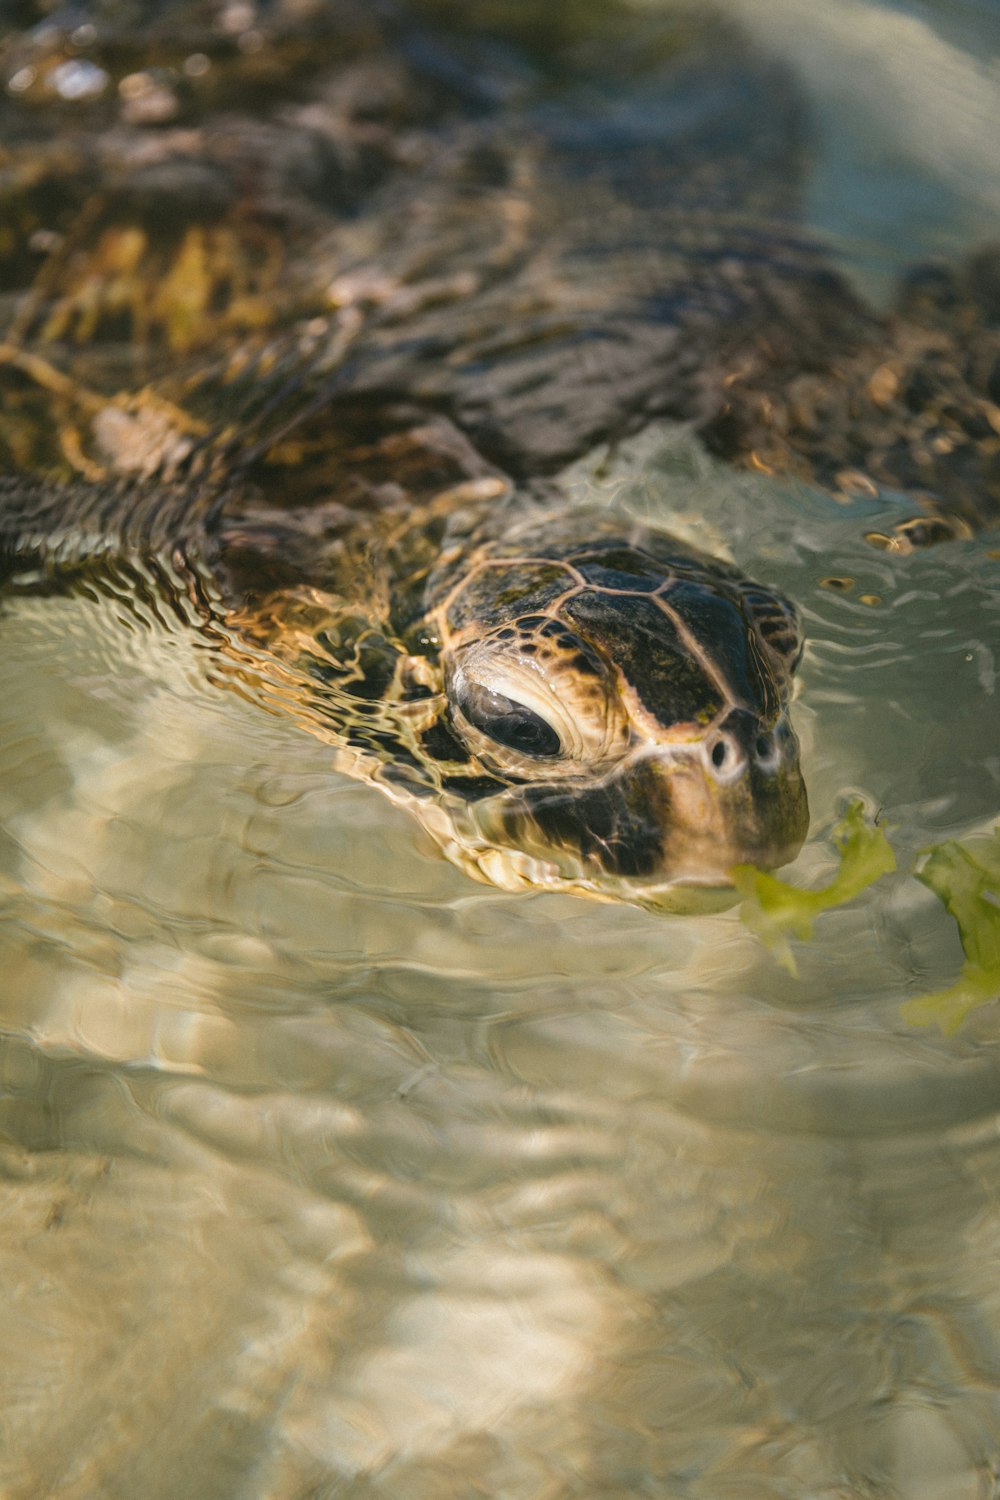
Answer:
[(506, 721)]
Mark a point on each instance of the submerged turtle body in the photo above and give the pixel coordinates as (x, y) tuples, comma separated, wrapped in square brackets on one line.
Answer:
[(324, 362)]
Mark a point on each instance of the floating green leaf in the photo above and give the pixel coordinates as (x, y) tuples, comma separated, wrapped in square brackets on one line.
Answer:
[(775, 910), (966, 878)]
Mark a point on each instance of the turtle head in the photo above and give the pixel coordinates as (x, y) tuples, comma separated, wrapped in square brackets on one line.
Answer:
[(626, 703)]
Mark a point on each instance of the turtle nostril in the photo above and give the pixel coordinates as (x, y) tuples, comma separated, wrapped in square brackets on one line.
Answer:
[(726, 759), (744, 745), (767, 749)]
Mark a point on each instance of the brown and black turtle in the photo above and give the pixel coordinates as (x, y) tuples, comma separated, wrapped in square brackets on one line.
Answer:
[(318, 371)]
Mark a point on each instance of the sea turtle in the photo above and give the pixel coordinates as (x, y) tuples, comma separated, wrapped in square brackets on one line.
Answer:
[(318, 371), (568, 699)]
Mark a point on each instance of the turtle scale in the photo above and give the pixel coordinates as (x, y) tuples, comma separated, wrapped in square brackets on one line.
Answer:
[(722, 620), (528, 587), (624, 570), (672, 687)]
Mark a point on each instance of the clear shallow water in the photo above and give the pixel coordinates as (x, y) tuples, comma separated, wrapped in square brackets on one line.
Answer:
[(904, 97), (328, 1172)]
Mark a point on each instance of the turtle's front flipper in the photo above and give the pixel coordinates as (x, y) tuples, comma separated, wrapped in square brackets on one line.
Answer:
[(51, 532), (916, 409)]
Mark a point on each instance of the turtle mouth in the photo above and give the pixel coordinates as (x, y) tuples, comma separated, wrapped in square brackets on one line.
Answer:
[(664, 828), (512, 869)]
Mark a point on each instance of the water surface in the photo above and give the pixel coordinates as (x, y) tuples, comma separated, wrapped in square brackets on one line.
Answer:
[(327, 1172)]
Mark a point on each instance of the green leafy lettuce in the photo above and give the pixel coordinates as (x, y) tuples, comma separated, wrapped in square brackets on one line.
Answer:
[(775, 910)]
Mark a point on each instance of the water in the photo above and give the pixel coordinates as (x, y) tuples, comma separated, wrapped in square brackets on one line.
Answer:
[(327, 1172)]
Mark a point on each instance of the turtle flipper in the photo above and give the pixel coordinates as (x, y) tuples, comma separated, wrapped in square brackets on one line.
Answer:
[(50, 533)]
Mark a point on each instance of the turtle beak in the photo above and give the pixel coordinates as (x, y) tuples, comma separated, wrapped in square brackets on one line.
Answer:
[(670, 814)]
